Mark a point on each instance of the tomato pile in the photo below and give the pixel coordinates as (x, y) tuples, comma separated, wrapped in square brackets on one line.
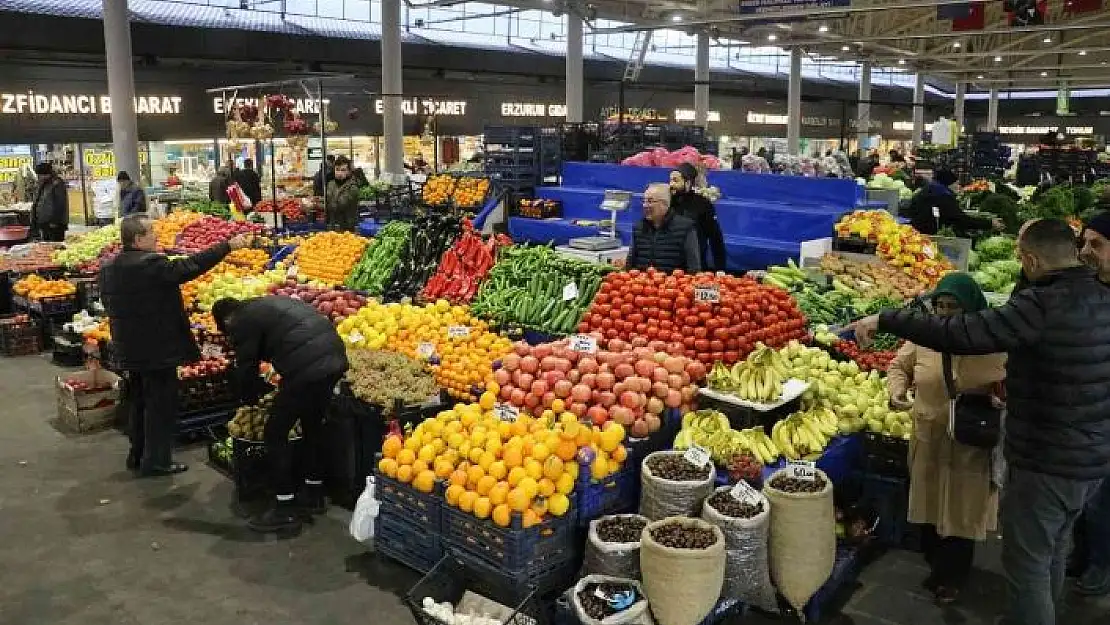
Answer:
[(662, 306), (866, 359)]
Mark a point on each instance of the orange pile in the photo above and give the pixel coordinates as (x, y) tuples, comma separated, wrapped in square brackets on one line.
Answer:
[(329, 256), (36, 287), (249, 258), (438, 189), (102, 332), (204, 320), (470, 192), (167, 228)]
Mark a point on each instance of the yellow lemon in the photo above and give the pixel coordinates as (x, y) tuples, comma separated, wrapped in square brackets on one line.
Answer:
[(558, 504), (497, 470), (540, 452), (546, 487), (533, 468), (565, 484), (453, 493), (427, 454), (466, 501), (499, 493), (482, 507), (516, 474), (502, 515), (387, 467), (529, 486)]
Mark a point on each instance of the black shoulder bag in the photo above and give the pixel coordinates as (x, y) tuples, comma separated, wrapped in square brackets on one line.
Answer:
[(973, 418)]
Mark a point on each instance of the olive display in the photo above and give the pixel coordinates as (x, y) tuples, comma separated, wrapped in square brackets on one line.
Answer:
[(728, 505), (793, 485), (596, 607), (676, 468), (621, 529), (679, 536)]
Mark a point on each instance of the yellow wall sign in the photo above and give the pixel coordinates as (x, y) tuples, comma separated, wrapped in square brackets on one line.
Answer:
[(10, 166)]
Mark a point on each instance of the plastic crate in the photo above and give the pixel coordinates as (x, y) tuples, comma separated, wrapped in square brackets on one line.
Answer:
[(207, 393), (885, 455), (20, 335), (615, 494), (54, 305), (846, 568), (531, 552), (424, 509), (354, 431), (251, 468), (409, 543), (890, 497), (454, 576)]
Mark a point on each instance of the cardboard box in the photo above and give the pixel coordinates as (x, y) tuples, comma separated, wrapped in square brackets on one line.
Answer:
[(88, 410)]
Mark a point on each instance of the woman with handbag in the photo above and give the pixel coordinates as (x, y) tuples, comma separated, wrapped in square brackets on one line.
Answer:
[(951, 490)]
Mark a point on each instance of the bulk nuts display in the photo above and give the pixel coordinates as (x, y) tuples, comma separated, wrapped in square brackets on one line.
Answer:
[(728, 505), (603, 600), (676, 468), (621, 529), (793, 485), (679, 536)]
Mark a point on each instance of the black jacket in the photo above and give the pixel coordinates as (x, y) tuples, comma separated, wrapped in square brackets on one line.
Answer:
[(948, 212), (300, 343), (132, 199), (51, 204), (139, 290), (700, 210), (1057, 335), (217, 190), (251, 184), (673, 245)]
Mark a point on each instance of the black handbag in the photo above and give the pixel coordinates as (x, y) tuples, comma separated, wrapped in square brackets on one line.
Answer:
[(973, 418)]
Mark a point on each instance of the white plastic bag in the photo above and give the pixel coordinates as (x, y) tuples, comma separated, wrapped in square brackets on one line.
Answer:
[(366, 511)]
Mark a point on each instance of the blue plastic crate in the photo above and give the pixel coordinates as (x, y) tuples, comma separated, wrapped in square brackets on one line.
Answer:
[(615, 494), (527, 551), (890, 497), (279, 255), (409, 543), (425, 509), (725, 608), (846, 568)]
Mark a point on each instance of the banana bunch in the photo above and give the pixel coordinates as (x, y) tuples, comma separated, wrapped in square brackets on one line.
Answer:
[(758, 378), (710, 430), (805, 434)]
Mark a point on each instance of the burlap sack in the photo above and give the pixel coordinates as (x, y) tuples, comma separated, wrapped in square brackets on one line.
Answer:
[(632, 615), (682, 585), (615, 559), (661, 498), (747, 567), (803, 540)]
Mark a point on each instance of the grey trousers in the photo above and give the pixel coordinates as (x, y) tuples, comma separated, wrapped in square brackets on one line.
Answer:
[(1039, 512)]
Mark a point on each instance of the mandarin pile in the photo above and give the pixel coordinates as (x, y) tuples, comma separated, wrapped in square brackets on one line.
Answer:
[(167, 228), (469, 192), (437, 189), (35, 287), (329, 256)]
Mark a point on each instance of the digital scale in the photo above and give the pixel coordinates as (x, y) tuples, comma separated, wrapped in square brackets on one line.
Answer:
[(614, 202)]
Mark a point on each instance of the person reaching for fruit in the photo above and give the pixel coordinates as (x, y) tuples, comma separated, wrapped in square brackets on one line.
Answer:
[(151, 334), (303, 346)]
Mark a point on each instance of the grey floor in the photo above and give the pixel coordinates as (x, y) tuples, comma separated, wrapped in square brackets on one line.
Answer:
[(83, 543)]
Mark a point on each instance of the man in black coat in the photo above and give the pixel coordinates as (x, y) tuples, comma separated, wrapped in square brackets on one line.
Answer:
[(50, 205), (689, 203), (151, 334), (936, 206), (303, 346), (249, 181), (663, 239), (1056, 331)]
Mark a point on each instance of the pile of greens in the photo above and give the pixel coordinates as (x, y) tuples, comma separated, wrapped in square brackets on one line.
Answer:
[(208, 207), (998, 276), (996, 248), (1004, 206)]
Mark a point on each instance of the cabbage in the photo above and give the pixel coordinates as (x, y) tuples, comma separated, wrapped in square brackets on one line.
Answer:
[(996, 248)]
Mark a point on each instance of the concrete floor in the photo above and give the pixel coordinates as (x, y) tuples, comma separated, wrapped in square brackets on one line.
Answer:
[(84, 543)]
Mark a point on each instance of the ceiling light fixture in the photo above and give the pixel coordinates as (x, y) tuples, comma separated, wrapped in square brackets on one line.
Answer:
[(998, 59), (956, 44), (1044, 74), (1047, 40), (823, 28), (845, 48), (980, 77), (901, 61), (772, 37), (676, 18), (1082, 53)]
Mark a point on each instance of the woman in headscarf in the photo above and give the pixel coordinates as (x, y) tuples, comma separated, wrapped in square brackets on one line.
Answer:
[(951, 491), (686, 201)]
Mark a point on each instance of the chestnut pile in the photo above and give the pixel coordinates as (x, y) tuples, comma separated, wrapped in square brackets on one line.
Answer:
[(728, 505), (676, 468), (599, 608), (680, 536), (621, 529), (794, 485)]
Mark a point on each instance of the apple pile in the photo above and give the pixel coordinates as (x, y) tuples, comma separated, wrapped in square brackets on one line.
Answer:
[(207, 366), (206, 232), (629, 383), (335, 304), (80, 386)]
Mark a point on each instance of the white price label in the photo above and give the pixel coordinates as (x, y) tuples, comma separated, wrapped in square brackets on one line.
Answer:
[(458, 332), (697, 456), (929, 251), (744, 493), (570, 291), (583, 343), (425, 350), (803, 470), (355, 336), (291, 272), (707, 293), (506, 412), (211, 350)]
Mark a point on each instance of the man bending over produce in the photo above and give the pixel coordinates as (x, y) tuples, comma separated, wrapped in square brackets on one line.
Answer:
[(663, 239), (304, 348), (1057, 434)]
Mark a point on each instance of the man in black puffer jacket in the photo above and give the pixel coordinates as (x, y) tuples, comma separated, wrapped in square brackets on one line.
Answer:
[(303, 347), (663, 239), (1056, 331)]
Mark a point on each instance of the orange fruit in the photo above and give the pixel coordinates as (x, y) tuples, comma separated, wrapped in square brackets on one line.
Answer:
[(388, 467), (482, 507), (485, 485), (516, 475), (392, 446), (566, 450), (406, 456), (553, 467), (474, 474), (466, 501), (499, 494), (497, 470), (620, 454), (558, 504), (425, 481), (565, 484), (530, 519), (453, 493), (518, 500), (546, 487), (404, 473), (512, 457), (502, 515), (458, 477)]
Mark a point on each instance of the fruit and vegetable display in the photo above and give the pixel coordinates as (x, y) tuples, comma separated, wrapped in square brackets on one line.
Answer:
[(86, 247), (539, 208), (898, 245), (835, 303), (208, 231), (251, 259), (34, 287), (380, 257), (329, 256), (382, 378), (758, 378), (235, 285), (207, 366), (291, 209), (431, 236), (437, 189), (335, 304), (806, 433), (32, 257), (715, 318), (869, 280), (884, 182), (995, 266), (249, 422), (875, 357), (167, 228), (210, 208), (470, 192), (463, 267), (710, 430)]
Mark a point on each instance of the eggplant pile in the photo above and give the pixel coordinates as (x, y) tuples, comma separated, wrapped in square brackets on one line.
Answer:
[(430, 237)]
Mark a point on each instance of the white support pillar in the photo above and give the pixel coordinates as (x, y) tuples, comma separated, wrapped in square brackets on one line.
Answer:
[(392, 88), (574, 67), (863, 119), (121, 87), (961, 96), (992, 111), (794, 104), (918, 109), (701, 81)]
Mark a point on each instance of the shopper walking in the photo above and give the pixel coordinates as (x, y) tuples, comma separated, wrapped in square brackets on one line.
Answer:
[(323, 176), (951, 491), (663, 239), (304, 348), (249, 181), (151, 334), (50, 206), (217, 188), (687, 202), (935, 207), (343, 197), (1057, 440), (132, 198)]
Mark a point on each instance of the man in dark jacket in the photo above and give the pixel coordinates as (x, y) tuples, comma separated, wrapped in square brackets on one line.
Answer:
[(304, 348), (687, 202), (663, 239), (323, 176), (936, 206), (151, 334), (343, 194), (132, 198), (217, 188), (249, 181), (1057, 439), (50, 206)]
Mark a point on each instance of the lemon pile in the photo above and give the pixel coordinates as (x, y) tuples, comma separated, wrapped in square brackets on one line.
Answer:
[(496, 469)]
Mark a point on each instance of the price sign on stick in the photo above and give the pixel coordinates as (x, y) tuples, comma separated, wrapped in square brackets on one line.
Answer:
[(707, 293), (570, 291), (211, 350), (802, 470), (425, 350), (697, 456), (355, 336), (458, 332), (744, 493), (583, 343), (291, 273), (506, 412)]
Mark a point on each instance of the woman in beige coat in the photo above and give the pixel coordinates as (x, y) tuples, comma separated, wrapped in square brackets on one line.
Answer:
[(951, 493)]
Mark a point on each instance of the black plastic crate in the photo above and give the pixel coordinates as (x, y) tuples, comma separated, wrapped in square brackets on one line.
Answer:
[(425, 509), (54, 305), (529, 552), (411, 544), (20, 335), (251, 468), (207, 393), (453, 576), (354, 431), (88, 290), (886, 455)]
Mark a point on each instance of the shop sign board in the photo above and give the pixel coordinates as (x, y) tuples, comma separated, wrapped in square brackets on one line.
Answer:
[(31, 103), (301, 105), (688, 115), (11, 165), (1043, 130), (427, 106), (750, 7), (532, 109), (102, 163)]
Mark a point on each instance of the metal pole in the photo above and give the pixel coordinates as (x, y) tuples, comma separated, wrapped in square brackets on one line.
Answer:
[(701, 81), (961, 93), (918, 109), (863, 121), (273, 183), (992, 111), (121, 86), (392, 88), (574, 68), (323, 141), (794, 104)]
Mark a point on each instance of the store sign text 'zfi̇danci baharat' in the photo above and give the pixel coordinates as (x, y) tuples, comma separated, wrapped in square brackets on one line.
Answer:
[(31, 103)]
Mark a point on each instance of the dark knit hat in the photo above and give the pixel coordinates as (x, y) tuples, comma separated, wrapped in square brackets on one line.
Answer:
[(120, 177), (44, 169), (688, 171), (944, 176), (1100, 223)]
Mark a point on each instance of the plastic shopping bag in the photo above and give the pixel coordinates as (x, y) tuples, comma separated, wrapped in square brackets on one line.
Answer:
[(366, 511)]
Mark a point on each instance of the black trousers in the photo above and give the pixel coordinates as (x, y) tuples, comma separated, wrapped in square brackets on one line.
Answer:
[(153, 416), (949, 557), (53, 232), (306, 402)]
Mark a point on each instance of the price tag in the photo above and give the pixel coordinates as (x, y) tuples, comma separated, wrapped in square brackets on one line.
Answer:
[(744, 493), (697, 456), (570, 291), (425, 350), (707, 293), (506, 412), (583, 343), (929, 251), (355, 336), (291, 272), (458, 332), (803, 470), (211, 350)]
